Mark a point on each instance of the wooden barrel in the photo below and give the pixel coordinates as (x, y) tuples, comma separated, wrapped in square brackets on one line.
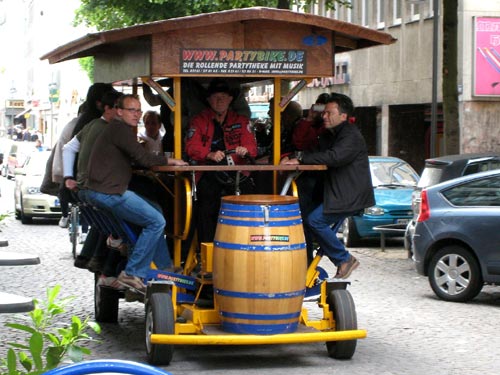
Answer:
[(259, 264)]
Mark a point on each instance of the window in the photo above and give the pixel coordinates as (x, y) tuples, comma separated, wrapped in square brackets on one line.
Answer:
[(483, 192), (396, 12), (364, 13), (380, 14), (414, 12)]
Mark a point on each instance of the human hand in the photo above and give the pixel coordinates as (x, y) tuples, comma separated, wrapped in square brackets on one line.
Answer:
[(284, 160), (241, 151), (293, 161), (216, 156), (177, 162), (71, 184)]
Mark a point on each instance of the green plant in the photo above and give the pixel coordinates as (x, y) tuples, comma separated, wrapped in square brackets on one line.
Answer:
[(48, 342)]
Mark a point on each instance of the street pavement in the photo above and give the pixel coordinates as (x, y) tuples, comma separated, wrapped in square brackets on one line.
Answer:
[(409, 330)]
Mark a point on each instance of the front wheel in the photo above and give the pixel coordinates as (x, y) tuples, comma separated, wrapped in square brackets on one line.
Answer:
[(74, 228), (455, 275), (159, 320), (24, 219), (342, 306)]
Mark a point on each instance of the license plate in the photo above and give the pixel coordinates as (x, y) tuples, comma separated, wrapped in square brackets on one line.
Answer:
[(402, 221), (57, 203)]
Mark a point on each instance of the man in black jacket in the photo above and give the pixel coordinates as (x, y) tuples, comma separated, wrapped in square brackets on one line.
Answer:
[(347, 186)]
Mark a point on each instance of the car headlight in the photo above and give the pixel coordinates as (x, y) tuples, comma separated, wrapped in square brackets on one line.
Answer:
[(374, 210), (33, 190)]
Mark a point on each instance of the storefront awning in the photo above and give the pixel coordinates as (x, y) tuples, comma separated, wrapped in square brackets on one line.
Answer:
[(19, 115)]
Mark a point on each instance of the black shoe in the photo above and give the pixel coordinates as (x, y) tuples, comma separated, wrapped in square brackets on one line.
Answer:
[(81, 262), (96, 264)]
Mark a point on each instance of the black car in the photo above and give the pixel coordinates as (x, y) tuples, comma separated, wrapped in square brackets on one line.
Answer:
[(445, 168)]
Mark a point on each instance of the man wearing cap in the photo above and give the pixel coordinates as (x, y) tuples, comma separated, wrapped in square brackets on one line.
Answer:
[(217, 135)]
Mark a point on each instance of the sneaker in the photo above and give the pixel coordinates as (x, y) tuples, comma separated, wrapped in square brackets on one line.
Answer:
[(117, 244), (346, 268), (113, 243), (133, 282), (110, 282), (64, 222), (83, 237)]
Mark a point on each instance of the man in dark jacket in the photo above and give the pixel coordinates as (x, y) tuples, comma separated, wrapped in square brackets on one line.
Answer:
[(347, 186)]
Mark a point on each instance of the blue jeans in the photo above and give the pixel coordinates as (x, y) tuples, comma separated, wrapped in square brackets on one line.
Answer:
[(151, 245), (320, 224)]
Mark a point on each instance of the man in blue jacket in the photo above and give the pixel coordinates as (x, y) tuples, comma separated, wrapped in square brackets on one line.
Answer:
[(347, 186)]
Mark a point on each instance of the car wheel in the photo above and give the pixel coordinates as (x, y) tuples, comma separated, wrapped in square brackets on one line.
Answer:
[(24, 219), (341, 304), (454, 274), (350, 234)]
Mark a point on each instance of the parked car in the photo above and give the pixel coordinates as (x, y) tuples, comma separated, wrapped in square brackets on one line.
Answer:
[(17, 156), (457, 236), (393, 182), (445, 168), (29, 202)]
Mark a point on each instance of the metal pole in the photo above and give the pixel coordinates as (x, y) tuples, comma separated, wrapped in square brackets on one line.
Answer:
[(435, 40)]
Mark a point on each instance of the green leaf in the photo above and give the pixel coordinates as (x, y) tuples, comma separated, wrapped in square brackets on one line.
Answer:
[(11, 362), (36, 347), (54, 356), (75, 353), (21, 327), (25, 361)]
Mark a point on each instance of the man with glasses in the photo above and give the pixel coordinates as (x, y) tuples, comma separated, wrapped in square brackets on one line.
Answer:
[(347, 186), (108, 173)]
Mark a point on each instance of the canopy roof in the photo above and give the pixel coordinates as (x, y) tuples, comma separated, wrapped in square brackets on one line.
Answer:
[(161, 48)]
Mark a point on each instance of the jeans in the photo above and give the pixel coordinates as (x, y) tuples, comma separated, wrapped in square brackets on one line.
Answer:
[(320, 224), (151, 245)]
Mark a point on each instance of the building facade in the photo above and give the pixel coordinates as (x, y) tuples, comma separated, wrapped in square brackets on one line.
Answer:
[(392, 85)]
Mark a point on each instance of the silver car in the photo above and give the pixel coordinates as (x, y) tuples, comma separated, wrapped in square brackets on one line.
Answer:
[(29, 202), (457, 235)]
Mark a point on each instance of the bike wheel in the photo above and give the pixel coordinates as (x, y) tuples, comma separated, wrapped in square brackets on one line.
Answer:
[(74, 228)]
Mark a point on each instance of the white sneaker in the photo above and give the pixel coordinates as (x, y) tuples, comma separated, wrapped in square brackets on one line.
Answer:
[(64, 222)]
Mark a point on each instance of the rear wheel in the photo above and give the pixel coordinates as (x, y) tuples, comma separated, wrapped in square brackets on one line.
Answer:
[(159, 320), (344, 312), (455, 275), (350, 234)]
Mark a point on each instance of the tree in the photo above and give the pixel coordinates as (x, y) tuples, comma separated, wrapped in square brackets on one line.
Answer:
[(111, 14)]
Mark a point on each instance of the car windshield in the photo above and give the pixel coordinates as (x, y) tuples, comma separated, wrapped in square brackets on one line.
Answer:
[(393, 173), (430, 176), (36, 163)]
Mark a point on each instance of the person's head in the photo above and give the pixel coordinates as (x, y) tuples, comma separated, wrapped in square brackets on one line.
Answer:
[(152, 123), (129, 109), (291, 114), (338, 108), (219, 96), (94, 95), (110, 104)]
